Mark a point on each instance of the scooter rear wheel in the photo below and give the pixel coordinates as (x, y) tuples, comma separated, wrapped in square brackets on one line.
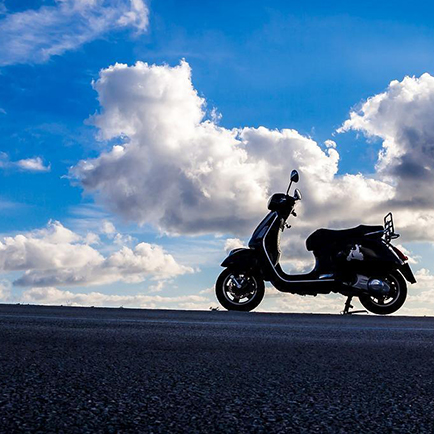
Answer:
[(239, 290), (390, 303)]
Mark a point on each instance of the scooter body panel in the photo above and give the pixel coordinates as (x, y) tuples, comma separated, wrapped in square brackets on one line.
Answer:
[(265, 241), (370, 257)]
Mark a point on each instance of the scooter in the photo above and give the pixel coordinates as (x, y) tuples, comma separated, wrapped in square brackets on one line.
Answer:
[(358, 262)]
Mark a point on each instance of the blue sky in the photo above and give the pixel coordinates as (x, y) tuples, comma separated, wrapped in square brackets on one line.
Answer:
[(277, 64)]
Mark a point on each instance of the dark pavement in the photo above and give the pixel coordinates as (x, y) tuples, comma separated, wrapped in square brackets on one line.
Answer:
[(85, 370)]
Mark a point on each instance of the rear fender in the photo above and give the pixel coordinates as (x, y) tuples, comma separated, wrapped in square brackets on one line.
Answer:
[(241, 258), (407, 273), (386, 255)]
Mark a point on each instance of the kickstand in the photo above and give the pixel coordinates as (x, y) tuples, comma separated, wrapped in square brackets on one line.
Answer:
[(349, 306)]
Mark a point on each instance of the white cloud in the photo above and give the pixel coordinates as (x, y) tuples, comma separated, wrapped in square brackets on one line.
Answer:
[(91, 238), (108, 228), (185, 174), (402, 117), (57, 256), (33, 165), (207, 291), (5, 291), (205, 305), (233, 243), (51, 295), (420, 300), (35, 35), (283, 302), (330, 144), (158, 287), (412, 258)]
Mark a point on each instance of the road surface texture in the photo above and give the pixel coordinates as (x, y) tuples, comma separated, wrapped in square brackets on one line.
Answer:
[(79, 370)]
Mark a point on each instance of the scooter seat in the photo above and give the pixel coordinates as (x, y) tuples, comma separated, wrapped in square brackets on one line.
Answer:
[(323, 238)]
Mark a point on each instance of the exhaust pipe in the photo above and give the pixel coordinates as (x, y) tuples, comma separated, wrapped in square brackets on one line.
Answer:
[(372, 286)]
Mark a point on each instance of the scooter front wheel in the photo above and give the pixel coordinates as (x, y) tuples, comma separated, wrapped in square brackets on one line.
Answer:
[(239, 290)]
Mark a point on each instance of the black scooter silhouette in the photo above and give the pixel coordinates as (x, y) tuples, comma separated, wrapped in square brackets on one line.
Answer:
[(359, 262)]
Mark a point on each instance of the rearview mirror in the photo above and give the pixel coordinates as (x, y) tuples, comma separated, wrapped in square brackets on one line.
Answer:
[(297, 194), (294, 176)]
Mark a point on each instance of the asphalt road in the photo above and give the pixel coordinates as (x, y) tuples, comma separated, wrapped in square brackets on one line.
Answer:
[(84, 370)]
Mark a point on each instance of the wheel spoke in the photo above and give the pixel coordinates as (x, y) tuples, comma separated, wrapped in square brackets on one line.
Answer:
[(240, 287), (385, 301)]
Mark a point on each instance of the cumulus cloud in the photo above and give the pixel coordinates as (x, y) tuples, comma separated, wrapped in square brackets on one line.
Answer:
[(175, 169), (233, 243), (35, 164), (402, 117), (330, 144), (108, 228), (178, 170), (35, 35), (57, 256), (51, 295)]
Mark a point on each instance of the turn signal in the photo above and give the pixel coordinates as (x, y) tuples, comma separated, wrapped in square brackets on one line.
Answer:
[(400, 254)]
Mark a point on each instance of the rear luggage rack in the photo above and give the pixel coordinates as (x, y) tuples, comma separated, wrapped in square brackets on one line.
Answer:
[(389, 229)]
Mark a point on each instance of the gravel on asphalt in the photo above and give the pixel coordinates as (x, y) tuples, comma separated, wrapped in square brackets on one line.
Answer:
[(85, 370)]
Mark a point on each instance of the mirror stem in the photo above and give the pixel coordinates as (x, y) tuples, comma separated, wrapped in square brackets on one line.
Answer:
[(287, 191)]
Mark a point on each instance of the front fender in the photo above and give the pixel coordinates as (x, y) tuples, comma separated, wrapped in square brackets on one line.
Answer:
[(241, 258)]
